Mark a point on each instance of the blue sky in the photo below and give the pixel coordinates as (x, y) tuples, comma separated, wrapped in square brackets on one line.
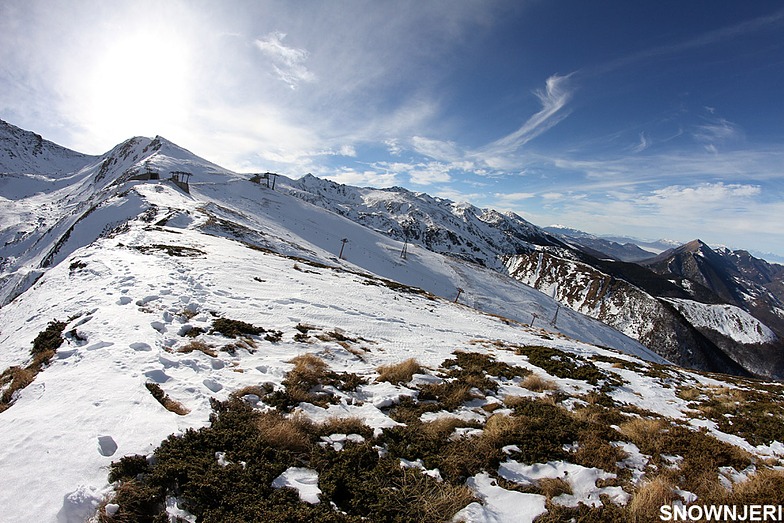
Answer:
[(651, 119)]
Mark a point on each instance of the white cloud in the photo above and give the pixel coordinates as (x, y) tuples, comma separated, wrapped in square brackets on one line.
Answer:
[(436, 149), (642, 145), (288, 62), (393, 147), (716, 130), (514, 196), (553, 98), (365, 178), (704, 194), (430, 173)]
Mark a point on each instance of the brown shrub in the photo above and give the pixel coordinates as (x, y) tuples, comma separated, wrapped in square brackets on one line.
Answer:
[(399, 372), (648, 498), (199, 346), (764, 487), (290, 433), (164, 399), (536, 383)]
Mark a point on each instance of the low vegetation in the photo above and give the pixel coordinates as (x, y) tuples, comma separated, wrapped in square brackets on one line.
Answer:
[(170, 250), (398, 373), (225, 471), (16, 378), (164, 399)]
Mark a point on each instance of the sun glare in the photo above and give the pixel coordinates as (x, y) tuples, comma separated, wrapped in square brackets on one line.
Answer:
[(139, 85)]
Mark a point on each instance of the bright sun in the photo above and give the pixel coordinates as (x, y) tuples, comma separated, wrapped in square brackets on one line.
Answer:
[(139, 85)]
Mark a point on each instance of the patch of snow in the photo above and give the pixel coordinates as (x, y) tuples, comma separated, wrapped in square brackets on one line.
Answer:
[(499, 504), (303, 480), (581, 480)]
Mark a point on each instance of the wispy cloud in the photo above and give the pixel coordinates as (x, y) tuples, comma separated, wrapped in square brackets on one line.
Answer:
[(701, 195), (716, 131), (643, 144), (705, 39), (553, 97), (514, 196), (500, 154), (437, 149), (288, 62)]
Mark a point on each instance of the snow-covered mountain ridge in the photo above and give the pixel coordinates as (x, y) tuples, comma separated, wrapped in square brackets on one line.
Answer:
[(147, 283), (586, 274), (462, 230)]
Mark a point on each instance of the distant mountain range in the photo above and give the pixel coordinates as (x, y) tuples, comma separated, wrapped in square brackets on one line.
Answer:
[(676, 315)]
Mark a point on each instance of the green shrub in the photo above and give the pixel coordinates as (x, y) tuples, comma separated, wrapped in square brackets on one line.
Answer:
[(235, 328), (50, 339), (562, 364), (15, 378)]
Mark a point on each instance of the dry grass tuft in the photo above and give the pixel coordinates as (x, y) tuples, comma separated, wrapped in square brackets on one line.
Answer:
[(255, 390), (761, 488), (536, 383), (649, 497), (689, 393), (13, 380), (198, 346), (553, 487), (441, 428), (289, 433), (351, 425), (643, 432), (500, 426), (308, 370), (420, 498), (399, 372)]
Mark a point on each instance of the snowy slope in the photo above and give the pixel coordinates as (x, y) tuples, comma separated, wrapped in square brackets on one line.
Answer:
[(99, 200), (461, 230), (25, 152), (128, 303), (133, 268), (128, 306), (731, 321)]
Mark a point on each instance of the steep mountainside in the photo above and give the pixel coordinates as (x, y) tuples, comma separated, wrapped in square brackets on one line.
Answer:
[(28, 153), (639, 303), (721, 338), (601, 247), (439, 225), (736, 277)]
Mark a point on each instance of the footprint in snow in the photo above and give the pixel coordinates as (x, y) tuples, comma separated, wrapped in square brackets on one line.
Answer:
[(106, 445), (140, 346), (147, 299), (99, 345), (157, 375), (213, 385), (124, 300)]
